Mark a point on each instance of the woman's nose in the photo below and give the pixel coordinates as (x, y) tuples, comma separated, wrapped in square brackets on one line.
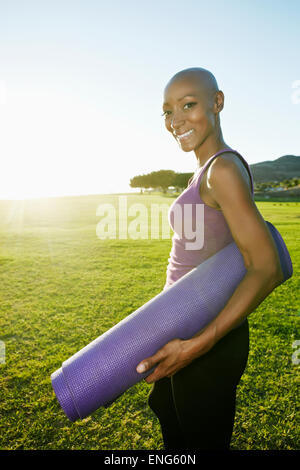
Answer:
[(176, 121)]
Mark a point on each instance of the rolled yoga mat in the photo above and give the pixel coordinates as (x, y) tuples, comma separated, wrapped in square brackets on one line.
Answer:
[(103, 370)]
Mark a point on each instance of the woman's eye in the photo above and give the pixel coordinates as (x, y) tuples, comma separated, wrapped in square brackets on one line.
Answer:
[(189, 105), (186, 106)]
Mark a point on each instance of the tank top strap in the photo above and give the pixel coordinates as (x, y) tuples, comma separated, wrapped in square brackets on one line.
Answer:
[(208, 162)]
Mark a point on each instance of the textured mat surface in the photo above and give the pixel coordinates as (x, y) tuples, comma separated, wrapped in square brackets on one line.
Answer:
[(104, 369)]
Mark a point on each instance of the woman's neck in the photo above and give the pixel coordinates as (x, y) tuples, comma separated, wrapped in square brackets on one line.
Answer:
[(209, 147)]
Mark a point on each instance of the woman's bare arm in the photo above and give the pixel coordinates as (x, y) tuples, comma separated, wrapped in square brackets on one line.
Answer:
[(251, 234), (229, 189)]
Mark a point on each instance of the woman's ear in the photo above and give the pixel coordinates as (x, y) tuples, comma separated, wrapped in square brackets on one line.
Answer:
[(219, 101)]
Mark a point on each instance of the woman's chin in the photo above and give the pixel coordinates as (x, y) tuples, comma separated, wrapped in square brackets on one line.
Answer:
[(186, 147)]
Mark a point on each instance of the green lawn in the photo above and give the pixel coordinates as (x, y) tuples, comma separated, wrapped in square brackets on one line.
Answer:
[(61, 287)]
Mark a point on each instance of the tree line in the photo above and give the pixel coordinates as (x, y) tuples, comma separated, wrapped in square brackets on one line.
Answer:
[(273, 185), (163, 179)]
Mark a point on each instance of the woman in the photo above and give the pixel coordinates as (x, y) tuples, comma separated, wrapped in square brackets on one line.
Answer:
[(195, 380)]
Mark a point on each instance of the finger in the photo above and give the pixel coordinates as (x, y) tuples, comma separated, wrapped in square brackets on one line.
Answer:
[(143, 366), (155, 376), (160, 372), (151, 378), (150, 361)]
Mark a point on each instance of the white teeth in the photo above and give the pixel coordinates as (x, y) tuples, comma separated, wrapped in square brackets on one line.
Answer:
[(184, 135)]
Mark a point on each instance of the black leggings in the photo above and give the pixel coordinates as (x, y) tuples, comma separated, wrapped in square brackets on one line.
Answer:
[(196, 406)]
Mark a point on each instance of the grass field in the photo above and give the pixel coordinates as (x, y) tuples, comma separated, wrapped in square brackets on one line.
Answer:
[(61, 286)]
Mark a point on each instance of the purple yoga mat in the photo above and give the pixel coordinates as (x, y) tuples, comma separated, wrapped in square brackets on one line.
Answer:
[(104, 369)]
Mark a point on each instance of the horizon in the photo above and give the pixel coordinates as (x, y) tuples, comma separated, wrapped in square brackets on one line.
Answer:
[(132, 191)]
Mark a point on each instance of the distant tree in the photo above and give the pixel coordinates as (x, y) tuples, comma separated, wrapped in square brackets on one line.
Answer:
[(156, 179), (162, 179), (181, 180), (262, 186), (140, 181), (286, 183), (292, 182)]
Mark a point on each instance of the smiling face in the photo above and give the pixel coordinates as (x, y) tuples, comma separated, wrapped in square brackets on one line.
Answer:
[(191, 106)]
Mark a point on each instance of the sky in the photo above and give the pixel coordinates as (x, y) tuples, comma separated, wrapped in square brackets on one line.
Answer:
[(81, 87)]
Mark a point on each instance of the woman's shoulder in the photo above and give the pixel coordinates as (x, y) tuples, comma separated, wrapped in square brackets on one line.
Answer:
[(228, 165)]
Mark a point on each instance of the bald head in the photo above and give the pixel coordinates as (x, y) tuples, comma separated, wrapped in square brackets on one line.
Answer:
[(201, 79), (197, 75)]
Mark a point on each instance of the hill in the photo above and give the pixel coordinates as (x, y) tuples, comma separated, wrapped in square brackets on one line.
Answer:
[(282, 168)]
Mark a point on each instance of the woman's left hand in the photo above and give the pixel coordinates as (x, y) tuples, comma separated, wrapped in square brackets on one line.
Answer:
[(175, 355), (169, 359)]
